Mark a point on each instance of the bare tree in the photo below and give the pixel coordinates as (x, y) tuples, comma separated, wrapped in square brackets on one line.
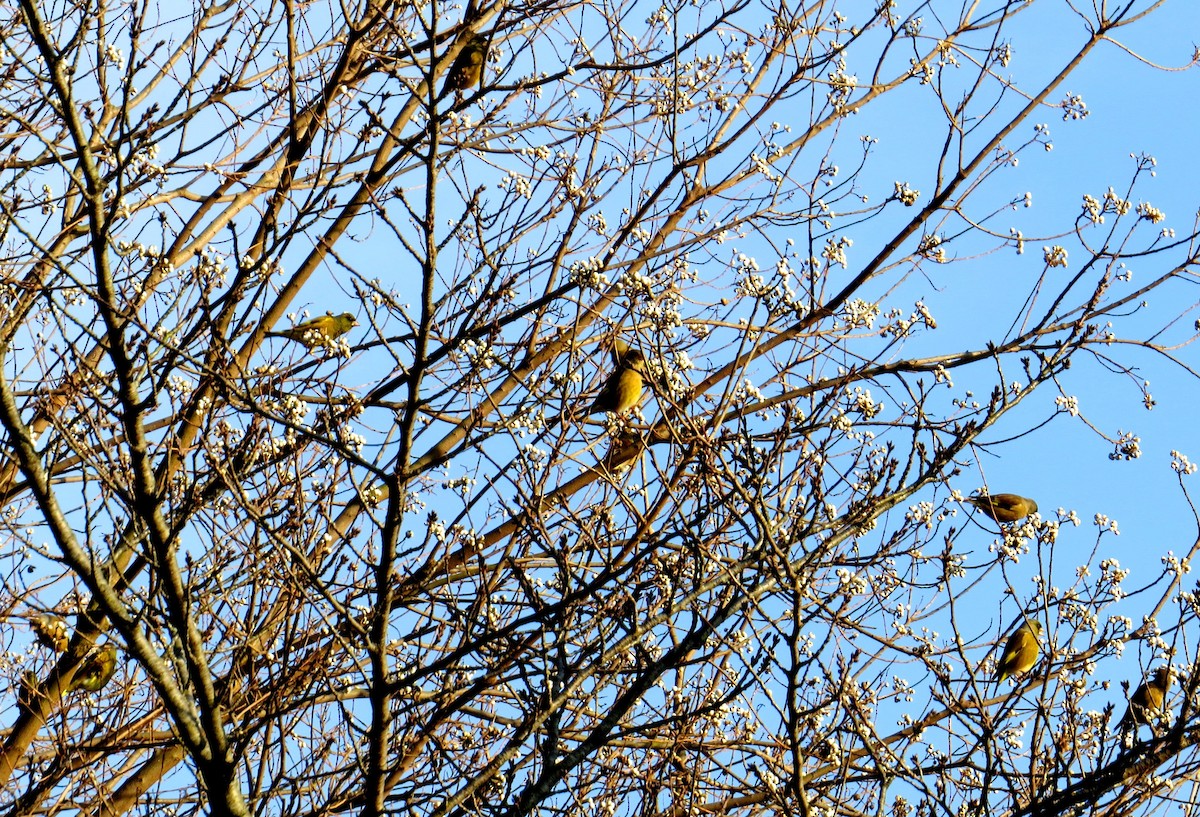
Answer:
[(401, 568)]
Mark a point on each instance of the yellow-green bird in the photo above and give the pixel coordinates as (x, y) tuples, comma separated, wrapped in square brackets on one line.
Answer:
[(51, 631), (1004, 507), (1148, 703), (623, 389), (1021, 651), (96, 670), (467, 69), (319, 331)]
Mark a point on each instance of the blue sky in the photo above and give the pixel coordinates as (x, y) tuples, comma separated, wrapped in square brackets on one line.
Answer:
[(1133, 109)]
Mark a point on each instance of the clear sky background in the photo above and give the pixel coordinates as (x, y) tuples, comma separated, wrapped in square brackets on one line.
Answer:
[(1133, 109)]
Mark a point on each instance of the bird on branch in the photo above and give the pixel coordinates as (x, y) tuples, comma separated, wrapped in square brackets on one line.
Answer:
[(1148, 703), (1021, 651), (623, 389), (1004, 508), (467, 70), (319, 331), (51, 631), (96, 670)]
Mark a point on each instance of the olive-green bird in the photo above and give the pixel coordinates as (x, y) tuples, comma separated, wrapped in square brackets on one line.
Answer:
[(51, 631), (1147, 704), (467, 69), (96, 670), (319, 331), (624, 450), (27, 688), (1004, 508), (1021, 651), (623, 389)]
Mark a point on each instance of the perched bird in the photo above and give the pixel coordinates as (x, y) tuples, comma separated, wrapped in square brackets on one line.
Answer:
[(1004, 507), (1148, 703), (624, 450), (27, 688), (51, 631), (96, 670), (319, 331), (623, 389), (1021, 651), (467, 69)]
